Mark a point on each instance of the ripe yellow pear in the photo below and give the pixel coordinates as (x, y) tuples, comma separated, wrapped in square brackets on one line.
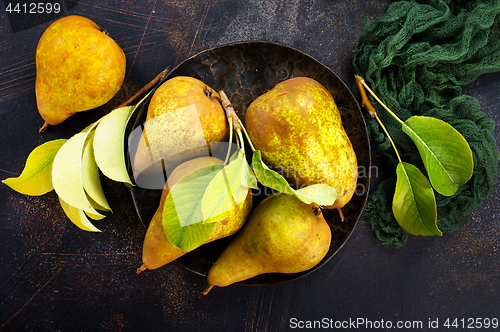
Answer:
[(185, 120), (78, 68), (298, 129), (282, 235), (157, 250)]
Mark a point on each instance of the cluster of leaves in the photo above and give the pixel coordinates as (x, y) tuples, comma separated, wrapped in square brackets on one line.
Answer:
[(447, 159), (71, 168), (192, 207)]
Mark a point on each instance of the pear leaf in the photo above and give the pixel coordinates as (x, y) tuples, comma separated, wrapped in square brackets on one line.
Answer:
[(223, 192), (182, 217), (414, 204), (248, 178), (321, 194), (109, 144), (67, 174), (36, 177), (78, 217), (90, 178), (446, 154)]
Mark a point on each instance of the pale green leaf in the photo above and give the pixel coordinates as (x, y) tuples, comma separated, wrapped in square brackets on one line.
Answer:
[(67, 174), (414, 204), (321, 194), (109, 141), (78, 217), (36, 177), (248, 178), (90, 176), (446, 154), (182, 213), (95, 216), (223, 192)]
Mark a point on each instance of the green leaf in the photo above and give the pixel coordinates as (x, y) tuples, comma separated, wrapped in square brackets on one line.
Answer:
[(414, 205), (446, 154), (109, 145), (182, 211), (78, 217), (321, 194), (224, 190), (248, 179), (90, 177), (67, 174), (36, 177)]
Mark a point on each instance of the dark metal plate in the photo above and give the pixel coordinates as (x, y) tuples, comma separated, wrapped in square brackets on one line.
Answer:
[(245, 71)]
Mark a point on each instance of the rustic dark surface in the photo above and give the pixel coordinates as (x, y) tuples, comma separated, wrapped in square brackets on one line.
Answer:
[(55, 277)]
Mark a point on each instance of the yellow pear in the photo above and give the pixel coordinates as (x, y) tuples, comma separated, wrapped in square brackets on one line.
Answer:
[(298, 129), (185, 120), (78, 68), (282, 235), (157, 250)]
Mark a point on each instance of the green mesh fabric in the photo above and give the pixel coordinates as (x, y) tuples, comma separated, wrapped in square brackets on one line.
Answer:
[(416, 58)]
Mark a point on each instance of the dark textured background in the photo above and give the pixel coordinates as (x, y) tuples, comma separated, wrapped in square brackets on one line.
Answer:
[(55, 277)]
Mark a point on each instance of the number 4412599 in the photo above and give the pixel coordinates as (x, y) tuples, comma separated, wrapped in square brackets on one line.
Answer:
[(33, 8), (472, 323)]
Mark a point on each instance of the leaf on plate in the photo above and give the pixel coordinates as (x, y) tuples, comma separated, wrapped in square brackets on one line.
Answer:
[(446, 154), (321, 194), (109, 141), (36, 177), (182, 217), (90, 176), (225, 190), (248, 178), (78, 217), (414, 204), (67, 174)]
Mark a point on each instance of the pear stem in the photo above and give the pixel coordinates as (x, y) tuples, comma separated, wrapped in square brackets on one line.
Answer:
[(145, 88), (45, 126), (209, 287), (366, 103), (230, 141), (247, 135), (362, 86), (142, 268)]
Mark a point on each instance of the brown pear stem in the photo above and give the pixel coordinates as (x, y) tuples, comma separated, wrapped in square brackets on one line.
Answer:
[(233, 117), (142, 268), (366, 103), (145, 88), (341, 214), (45, 126), (364, 98), (230, 113), (209, 287)]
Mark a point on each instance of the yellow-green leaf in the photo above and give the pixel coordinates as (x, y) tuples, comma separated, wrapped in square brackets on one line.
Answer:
[(414, 204), (90, 176), (78, 217), (67, 174), (446, 154), (223, 192), (182, 213), (36, 177), (321, 193), (109, 145)]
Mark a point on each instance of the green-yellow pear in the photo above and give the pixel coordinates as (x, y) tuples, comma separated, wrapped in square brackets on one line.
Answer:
[(157, 250), (282, 235), (78, 68), (185, 120), (298, 129)]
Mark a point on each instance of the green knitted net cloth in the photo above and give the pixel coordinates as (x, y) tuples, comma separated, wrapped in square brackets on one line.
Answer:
[(416, 58)]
